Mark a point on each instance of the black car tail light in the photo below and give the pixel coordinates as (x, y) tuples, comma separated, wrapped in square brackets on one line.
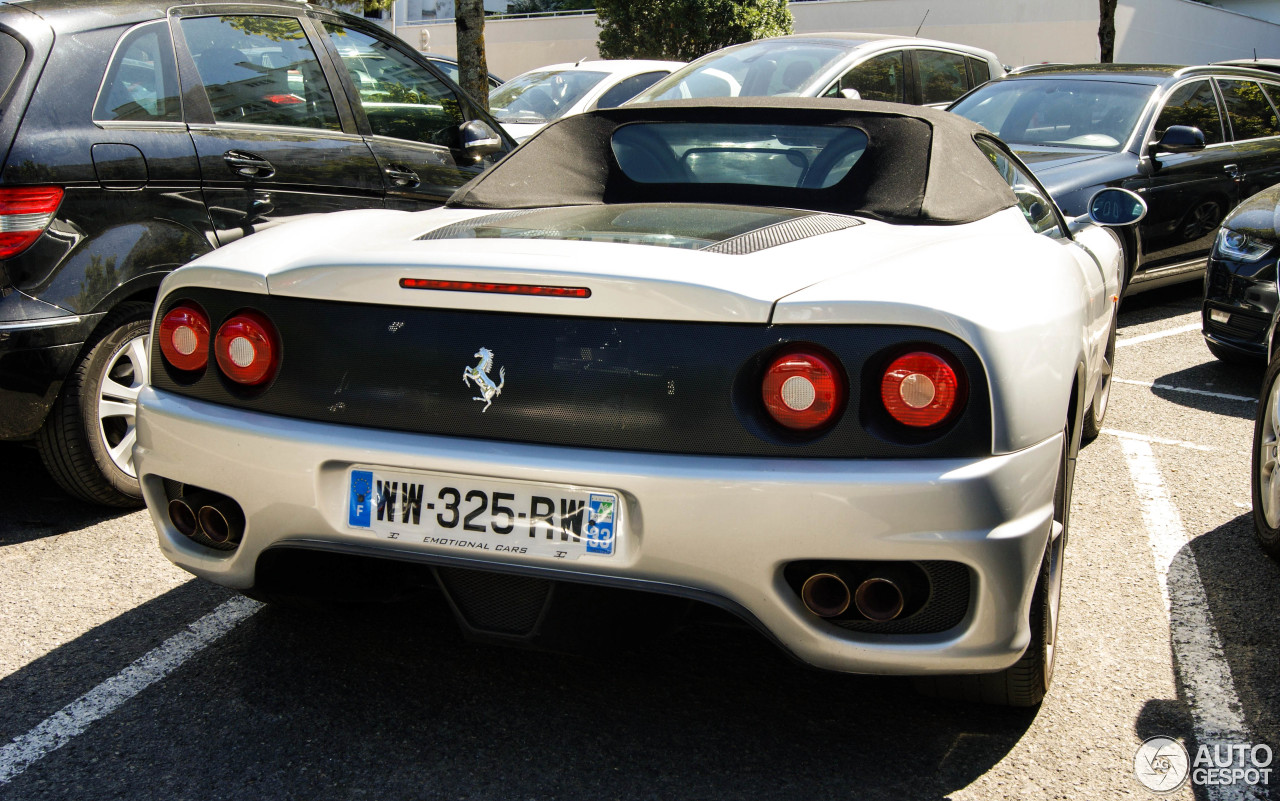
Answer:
[(803, 390), (25, 211), (247, 348), (922, 389), (184, 337)]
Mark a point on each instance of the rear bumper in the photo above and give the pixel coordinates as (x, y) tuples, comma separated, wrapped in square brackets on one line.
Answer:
[(36, 355), (717, 527)]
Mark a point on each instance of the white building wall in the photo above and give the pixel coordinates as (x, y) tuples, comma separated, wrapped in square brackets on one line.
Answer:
[(1258, 9), (1018, 31)]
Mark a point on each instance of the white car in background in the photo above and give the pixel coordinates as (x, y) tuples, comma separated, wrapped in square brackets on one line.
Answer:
[(867, 66), (532, 99)]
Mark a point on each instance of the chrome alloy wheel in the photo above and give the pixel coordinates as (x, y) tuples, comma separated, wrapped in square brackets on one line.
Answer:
[(1268, 444), (118, 401)]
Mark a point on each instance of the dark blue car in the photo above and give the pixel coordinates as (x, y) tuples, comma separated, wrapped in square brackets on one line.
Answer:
[(1192, 141)]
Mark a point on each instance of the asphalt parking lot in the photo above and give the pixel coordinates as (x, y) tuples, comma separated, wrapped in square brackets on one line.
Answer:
[(120, 676)]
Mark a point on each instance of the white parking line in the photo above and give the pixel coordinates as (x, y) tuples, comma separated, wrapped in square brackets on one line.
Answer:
[(1181, 443), (1170, 387), (1216, 716), (1127, 341), (62, 726)]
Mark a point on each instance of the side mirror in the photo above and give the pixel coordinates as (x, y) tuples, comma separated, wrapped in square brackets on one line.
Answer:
[(1179, 139), (1115, 207), (850, 94), (478, 140)]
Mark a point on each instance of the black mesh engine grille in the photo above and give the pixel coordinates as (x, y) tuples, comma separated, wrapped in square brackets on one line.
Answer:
[(495, 602), (466, 228), (769, 236), (618, 384), (782, 233), (946, 606)]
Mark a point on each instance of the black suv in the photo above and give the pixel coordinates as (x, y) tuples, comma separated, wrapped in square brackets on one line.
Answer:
[(133, 140), (1192, 141)]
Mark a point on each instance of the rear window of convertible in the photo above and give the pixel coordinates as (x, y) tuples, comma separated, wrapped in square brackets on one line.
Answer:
[(794, 156)]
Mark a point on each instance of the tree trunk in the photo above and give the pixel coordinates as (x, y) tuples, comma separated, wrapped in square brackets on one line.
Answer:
[(473, 68), (1107, 30)]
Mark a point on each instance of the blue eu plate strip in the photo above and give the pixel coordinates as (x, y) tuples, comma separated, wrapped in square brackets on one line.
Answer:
[(601, 516), (361, 498)]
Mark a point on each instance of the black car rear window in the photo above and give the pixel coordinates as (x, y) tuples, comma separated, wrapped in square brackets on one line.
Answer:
[(12, 56), (142, 80)]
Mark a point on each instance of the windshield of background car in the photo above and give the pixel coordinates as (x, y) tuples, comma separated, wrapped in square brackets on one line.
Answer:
[(795, 156), (541, 96), (672, 225), (1059, 112), (759, 69)]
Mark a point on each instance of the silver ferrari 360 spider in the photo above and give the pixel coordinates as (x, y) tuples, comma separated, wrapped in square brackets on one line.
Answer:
[(823, 364)]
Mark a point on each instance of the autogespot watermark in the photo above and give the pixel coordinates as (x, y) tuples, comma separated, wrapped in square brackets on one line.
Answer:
[(1162, 764)]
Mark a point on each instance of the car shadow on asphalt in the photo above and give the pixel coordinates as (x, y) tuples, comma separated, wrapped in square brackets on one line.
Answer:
[(1213, 376), (392, 702), (33, 506), (45, 685), (1240, 584)]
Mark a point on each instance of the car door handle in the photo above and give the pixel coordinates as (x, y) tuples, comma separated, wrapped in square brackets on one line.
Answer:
[(248, 165), (1231, 169), (402, 176)]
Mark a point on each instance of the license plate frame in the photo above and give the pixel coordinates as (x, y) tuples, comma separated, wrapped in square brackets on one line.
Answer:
[(483, 515)]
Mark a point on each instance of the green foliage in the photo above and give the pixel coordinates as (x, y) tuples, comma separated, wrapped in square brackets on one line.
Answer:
[(543, 6), (683, 30), (356, 6), (277, 29)]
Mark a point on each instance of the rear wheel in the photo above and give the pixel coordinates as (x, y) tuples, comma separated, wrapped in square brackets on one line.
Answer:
[(1266, 463), (87, 442), (1026, 682), (1102, 396)]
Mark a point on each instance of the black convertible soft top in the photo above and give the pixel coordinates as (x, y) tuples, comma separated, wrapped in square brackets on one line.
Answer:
[(920, 165)]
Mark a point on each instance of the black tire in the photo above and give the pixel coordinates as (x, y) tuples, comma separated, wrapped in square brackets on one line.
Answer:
[(1097, 410), (1265, 472), (1025, 683), (75, 443)]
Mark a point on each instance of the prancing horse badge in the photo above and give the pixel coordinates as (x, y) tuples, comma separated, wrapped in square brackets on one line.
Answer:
[(480, 375)]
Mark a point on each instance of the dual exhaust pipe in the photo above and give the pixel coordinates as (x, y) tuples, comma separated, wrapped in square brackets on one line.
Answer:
[(204, 515), (879, 597)]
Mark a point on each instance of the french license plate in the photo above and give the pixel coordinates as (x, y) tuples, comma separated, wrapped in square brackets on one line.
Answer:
[(482, 515)]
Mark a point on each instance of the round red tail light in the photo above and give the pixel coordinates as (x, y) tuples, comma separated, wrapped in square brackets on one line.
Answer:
[(184, 337), (247, 349), (802, 390), (920, 389)]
